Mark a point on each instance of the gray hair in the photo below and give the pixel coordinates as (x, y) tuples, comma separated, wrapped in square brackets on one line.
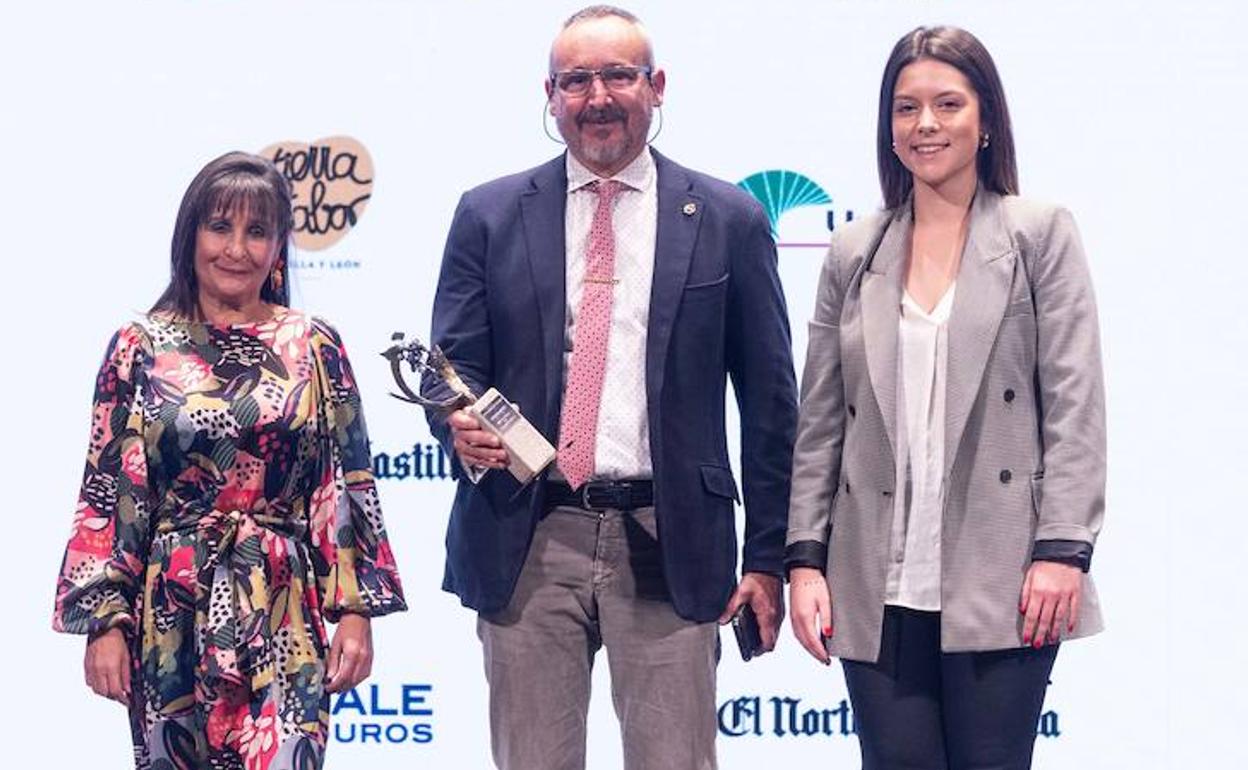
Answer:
[(592, 12), (601, 12)]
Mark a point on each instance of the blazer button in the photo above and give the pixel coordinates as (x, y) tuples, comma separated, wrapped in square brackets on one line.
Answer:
[(1009, 395), (847, 487), (1006, 476), (852, 411)]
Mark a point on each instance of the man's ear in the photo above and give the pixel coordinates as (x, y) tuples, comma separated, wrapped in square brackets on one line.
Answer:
[(658, 81), (549, 88)]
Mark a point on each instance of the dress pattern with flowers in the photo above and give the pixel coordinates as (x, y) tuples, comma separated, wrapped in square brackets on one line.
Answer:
[(227, 511)]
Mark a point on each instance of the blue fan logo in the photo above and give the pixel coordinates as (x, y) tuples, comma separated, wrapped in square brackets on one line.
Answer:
[(780, 191)]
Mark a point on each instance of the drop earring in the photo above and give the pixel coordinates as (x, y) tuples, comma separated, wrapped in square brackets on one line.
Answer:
[(275, 278)]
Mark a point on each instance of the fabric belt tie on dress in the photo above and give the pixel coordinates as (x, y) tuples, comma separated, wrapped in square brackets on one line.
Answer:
[(233, 610)]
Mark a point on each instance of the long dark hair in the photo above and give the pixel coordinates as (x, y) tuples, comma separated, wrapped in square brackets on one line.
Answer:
[(960, 49), (234, 181)]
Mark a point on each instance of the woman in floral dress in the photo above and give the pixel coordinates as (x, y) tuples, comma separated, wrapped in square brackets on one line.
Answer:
[(228, 507)]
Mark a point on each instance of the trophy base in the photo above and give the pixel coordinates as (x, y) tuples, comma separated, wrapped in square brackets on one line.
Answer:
[(527, 450)]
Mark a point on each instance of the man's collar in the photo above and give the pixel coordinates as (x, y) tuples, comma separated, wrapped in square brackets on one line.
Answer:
[(637, 175)]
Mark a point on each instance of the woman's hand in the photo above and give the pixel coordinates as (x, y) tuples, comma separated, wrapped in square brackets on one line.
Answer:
[(350, 653), (810, 607), (107, 665), (1050, 600)]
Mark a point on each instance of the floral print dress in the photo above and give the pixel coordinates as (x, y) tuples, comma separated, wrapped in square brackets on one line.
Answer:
[(227, 511)]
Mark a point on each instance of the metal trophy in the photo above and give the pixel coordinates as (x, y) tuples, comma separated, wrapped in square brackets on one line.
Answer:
[(528, 452)]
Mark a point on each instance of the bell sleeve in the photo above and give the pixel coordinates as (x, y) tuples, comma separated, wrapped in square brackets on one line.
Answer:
[(102, 571), (351, 554)]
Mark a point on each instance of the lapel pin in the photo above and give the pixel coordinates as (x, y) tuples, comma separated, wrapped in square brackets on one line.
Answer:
[(690, 209)]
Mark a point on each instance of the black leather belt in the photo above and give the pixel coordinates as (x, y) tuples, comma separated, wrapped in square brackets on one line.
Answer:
[(601, 495)]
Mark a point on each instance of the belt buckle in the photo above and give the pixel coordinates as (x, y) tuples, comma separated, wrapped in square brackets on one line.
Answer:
[(585, 497), (619, 494)]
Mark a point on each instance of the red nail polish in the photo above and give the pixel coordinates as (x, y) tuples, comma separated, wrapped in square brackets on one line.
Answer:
[(827, 631), (1039, 643)]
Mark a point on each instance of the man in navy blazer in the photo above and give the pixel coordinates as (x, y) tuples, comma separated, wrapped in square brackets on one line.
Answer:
[(641, 558)]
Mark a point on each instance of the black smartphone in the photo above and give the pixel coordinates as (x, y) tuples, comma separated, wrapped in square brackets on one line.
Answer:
[(745, 628)]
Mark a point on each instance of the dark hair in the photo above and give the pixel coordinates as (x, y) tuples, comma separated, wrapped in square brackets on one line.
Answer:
[(234, 181), (962, 50)]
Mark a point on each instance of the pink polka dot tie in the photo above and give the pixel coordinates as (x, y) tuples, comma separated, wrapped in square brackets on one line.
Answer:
[(578, 423)]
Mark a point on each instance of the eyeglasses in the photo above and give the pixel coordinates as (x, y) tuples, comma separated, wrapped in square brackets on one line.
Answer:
[(616, 78)]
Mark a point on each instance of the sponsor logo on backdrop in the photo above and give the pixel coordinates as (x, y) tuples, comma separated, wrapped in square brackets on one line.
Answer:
[(787, 717), (779, 191), (332, 182), (783, 717), (387, 714), (422, 462)]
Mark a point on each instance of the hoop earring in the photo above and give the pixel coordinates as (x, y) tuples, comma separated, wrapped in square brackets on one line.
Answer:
[(546, 128), (659, 130), (983, 142)]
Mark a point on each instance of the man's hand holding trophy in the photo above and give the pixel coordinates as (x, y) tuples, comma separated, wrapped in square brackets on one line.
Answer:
[(527, 451)]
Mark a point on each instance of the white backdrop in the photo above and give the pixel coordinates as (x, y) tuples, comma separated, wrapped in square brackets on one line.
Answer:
[(1130, 113)]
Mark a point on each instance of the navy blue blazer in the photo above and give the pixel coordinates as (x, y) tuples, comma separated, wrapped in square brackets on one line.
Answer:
[(717, 310)]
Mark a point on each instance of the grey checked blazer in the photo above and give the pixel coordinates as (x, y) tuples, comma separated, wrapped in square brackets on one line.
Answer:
[(1024, 429)]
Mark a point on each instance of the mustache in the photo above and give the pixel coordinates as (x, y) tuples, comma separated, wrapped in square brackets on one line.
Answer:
[(606, 114)]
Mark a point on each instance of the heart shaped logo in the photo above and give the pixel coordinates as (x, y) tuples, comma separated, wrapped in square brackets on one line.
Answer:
[(332, 180)]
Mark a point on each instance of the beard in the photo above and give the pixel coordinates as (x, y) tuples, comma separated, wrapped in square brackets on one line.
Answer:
[(605, 154), (610, 152)]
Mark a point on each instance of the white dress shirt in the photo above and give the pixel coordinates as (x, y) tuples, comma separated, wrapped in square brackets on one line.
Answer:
[(622, 448), (914, 569)]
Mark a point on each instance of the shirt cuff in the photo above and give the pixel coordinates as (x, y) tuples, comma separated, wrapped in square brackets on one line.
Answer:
[(806, 553), (1076, 553)]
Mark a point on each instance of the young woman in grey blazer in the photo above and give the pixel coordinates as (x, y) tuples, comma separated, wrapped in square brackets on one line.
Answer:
[(949, 472)]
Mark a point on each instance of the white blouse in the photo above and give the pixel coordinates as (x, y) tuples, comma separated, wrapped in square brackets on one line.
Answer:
[(923, 346)]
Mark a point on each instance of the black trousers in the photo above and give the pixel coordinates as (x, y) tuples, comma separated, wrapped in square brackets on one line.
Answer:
[(920, 709)]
